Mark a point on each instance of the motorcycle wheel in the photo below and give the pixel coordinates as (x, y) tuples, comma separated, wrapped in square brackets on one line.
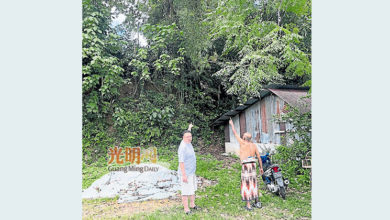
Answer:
[(282, 192)]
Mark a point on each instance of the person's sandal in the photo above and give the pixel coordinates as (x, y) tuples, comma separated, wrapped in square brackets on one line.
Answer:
[(249, 209), (195, 208), (188, 213)]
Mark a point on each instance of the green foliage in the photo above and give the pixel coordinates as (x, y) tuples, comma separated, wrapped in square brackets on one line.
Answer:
[(258, 49), (160, 61), (101, 71), (92, 172), (201, 57), (290, 157), (291, 164), (152, 120), (96, 141), (148, 121)]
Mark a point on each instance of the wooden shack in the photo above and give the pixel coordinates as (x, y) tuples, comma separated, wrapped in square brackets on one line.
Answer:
[(256, 117)]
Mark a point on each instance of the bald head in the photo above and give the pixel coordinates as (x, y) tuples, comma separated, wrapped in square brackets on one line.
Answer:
[(247, 136)]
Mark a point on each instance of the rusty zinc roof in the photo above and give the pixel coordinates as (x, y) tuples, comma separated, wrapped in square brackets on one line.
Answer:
[(295, 98)]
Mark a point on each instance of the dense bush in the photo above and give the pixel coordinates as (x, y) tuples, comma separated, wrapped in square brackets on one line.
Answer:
[(95, 141), (152, 120), (299, 138)]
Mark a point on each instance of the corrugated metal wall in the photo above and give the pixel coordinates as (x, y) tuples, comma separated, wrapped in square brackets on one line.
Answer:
[(242, 124), (237, 127), (272, 106), (259, 121), (252, 115)]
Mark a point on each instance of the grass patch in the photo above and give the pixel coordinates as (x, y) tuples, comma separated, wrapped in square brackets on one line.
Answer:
[(92, 172), (100, 200), (223, 200)]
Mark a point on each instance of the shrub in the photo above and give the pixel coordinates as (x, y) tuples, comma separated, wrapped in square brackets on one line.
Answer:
[(299, 138)]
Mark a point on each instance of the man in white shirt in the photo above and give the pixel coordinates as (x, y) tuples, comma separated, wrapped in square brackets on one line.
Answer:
[(186, 171)]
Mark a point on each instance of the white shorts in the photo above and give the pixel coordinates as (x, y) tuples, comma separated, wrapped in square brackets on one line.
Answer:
[(190, 187)]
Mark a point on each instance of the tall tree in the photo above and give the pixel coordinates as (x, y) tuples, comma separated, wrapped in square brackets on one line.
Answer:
[(101, 70), (261, 44)]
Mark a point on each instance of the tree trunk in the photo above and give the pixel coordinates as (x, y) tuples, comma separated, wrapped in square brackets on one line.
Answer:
[(279, 17)]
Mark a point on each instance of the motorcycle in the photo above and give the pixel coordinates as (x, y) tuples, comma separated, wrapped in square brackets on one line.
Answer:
[(273, 178)]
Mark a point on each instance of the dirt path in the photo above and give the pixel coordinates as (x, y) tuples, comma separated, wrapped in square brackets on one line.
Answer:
[(112, 209), (217, 151)]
